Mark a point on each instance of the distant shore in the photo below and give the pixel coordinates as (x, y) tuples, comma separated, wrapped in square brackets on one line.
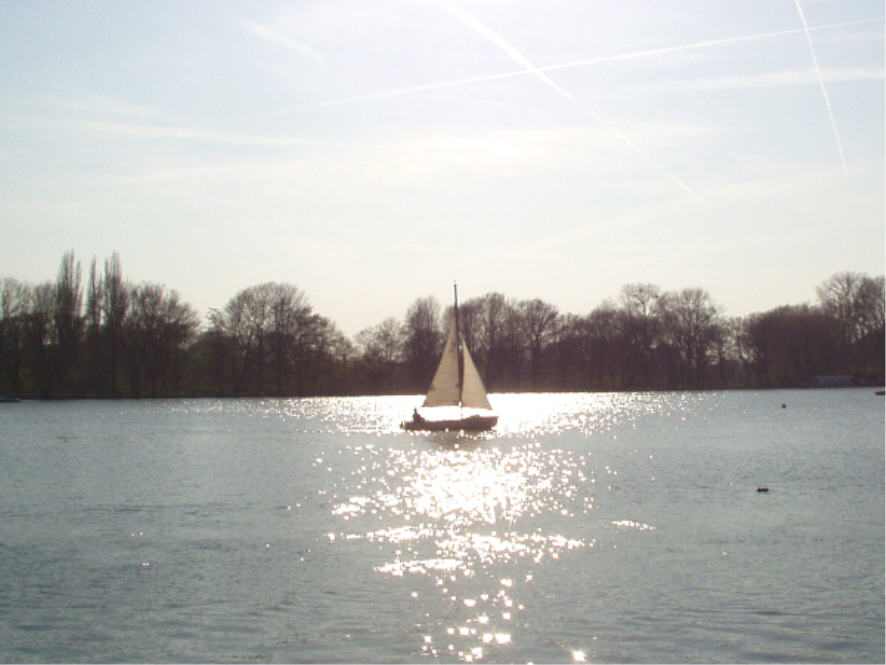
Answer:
[(109, 338)]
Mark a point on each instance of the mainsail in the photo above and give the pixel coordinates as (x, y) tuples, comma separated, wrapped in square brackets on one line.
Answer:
[(451, 387), (444, 386)]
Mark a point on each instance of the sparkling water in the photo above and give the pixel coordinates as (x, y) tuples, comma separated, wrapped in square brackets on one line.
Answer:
[(586, 527)]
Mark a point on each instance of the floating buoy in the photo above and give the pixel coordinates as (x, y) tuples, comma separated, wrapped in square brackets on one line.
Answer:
[(762, 489), (784, 406)]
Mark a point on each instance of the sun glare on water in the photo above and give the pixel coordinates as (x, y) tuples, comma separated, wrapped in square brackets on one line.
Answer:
[(474, 522), (468, 523)]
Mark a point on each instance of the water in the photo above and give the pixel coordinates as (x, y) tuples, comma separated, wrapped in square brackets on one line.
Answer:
[(591, 527)]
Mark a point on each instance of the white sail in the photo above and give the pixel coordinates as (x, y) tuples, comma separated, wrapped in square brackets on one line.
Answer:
[(444, 390), (473, 393), (444, 386)]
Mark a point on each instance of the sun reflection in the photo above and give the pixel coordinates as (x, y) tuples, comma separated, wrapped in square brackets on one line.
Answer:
[(467, 524), (630, 524), (467, 519), (541, 414)]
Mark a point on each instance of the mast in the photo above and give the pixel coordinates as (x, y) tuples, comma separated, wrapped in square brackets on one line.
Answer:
[(458, 353)]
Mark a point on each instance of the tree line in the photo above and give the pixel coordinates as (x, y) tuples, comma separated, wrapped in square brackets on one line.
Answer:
[(107, 337)]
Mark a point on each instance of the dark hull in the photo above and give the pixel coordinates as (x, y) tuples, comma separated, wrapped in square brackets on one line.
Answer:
[(469, 424)]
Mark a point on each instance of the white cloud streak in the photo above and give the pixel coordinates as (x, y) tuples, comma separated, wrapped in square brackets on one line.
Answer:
[(824, 90), (774, 79), (272, 35), (500, 42), (409, 90), (148, 131)]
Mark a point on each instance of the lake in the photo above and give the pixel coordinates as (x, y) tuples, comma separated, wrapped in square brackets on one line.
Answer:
[(585, 528)]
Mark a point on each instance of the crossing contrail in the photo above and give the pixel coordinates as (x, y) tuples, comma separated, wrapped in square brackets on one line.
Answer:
[(488, 33), (585, 62), (824, 92)]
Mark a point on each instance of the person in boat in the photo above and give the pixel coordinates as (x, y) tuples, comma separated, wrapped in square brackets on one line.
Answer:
[(416, 416)]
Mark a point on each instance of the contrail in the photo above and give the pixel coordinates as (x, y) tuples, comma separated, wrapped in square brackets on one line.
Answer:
[(586, 62), (824, 91), (271, 35), (704, 44), (499, 41), (395, 92)]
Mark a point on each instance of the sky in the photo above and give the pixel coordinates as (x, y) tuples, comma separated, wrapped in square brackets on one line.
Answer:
[(371, 152)]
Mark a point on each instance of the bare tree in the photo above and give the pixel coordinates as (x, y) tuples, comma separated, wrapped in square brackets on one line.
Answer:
[(115, 304), (331, 359), (855, 301), (639, 299), (158, 328), (422, 339), (539, 322), (572, 354), (180, 325), (15, 298), (496, 312), (605, 344), (380, 350), (272, 326), (640, 328), (38, 336), (788, 345), (290, 315), (870, 303), (67, 317), (94, 359), (838, 296), (236, 324), (690, 323), (142, 330)]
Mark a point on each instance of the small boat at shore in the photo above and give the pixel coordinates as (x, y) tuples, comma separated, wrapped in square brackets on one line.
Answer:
[(456, 383)]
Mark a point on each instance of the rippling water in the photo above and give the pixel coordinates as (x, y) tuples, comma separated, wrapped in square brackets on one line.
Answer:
[(586, 527)]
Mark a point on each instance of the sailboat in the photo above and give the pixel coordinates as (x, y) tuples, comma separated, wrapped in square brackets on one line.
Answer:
[(456, 383)]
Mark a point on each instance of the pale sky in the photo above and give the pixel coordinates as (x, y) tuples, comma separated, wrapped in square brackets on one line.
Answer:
[(371, 152)]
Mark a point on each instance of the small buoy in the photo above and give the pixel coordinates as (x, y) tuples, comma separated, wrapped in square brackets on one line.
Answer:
[(784, 406), (762, 489)]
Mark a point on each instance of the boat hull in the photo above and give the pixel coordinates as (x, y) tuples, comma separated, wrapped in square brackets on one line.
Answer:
[(469, 424)]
